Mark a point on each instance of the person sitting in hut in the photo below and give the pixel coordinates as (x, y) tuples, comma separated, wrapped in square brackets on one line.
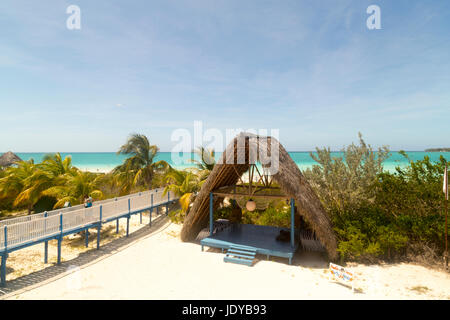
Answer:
[(284, 236), (236, 212)]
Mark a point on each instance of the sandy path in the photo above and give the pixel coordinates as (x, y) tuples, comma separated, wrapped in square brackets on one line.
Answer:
[(160, 266)]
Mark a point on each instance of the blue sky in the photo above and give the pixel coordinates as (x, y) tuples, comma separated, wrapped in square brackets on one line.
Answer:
[(311, 69)]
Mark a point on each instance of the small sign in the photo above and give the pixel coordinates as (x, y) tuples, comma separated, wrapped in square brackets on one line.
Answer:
[(342, 274)]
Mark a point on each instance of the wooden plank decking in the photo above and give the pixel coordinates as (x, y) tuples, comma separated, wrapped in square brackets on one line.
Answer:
[(261, 238)]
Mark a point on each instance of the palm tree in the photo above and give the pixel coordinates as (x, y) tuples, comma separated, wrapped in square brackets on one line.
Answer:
[(15, 182), (108, 184), (78, 185), (53, 173), (185, 184), (54, 164), (140, 168), (207, 158), (123, 178), (26, 183), (205, 164)]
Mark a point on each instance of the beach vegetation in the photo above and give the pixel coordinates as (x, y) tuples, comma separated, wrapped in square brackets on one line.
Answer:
[(185, 184), (77, 186), (344, 183), (277, 214), (140, 168), (207, 159), (420, 289), (16, 182), (54, 180), (379, 214)]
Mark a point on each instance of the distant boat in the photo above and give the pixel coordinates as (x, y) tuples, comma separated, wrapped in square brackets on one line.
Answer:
[(8, 159)]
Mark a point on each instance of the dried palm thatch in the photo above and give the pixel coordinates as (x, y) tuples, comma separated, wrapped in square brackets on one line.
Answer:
[(8, 159), (233, 165)]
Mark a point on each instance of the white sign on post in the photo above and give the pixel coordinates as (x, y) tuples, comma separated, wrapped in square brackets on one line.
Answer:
[(341, 274)]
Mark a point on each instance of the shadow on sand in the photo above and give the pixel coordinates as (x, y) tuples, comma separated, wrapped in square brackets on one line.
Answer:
[(54, 272)]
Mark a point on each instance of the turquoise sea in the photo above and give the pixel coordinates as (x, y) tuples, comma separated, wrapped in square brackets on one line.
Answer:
[(105, 161)]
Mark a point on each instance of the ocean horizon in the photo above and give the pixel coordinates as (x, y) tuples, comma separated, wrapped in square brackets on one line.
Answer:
[(106, 161)]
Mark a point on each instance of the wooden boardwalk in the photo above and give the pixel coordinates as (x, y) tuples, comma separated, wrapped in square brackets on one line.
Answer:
[(19, 233)]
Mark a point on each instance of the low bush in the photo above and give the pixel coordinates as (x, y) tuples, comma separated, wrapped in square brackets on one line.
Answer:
[(378, 214)]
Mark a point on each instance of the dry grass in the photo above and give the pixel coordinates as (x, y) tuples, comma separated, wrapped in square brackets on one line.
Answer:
[(8, 214), (420, 289)]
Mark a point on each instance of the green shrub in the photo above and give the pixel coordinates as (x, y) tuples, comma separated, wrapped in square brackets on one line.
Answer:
[(344, 183), (222, 212), (177, 216), (275, 217), (379, 214)]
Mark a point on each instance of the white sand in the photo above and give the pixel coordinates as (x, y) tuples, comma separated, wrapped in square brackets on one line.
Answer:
[(160, 266)]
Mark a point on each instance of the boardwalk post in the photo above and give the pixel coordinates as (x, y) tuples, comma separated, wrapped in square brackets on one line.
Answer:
[(99, 228), (140, 213), (60, 238), (86, 238), (3, 270), (292, 223), (128, 217), (46, 242), (167, 205), (151, 209), (86, 235), (117, 221), (4, 257), (211, 222), (157, 207)]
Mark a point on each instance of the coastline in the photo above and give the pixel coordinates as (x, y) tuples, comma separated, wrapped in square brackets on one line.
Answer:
[(390, 167), (104, 162)]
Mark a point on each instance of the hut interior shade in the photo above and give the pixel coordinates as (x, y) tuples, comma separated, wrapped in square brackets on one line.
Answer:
[(290, 184)]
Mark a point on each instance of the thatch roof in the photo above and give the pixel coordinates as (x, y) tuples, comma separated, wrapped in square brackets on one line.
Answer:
[(8, 159), (288, 176)]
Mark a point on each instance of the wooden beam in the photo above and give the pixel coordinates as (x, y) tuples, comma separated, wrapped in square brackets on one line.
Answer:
[(235, 170), (265, 187), (230, 194)]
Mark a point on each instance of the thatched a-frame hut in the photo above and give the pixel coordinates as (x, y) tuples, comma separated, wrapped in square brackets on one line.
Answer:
[(286, 174), (9, 158)]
